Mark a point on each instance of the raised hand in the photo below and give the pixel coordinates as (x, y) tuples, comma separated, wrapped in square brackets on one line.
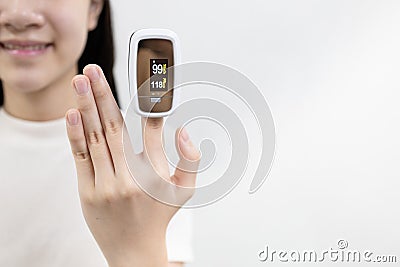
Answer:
[(128, 225)]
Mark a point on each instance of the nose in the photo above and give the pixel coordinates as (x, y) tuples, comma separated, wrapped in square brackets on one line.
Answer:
[(19, 16)]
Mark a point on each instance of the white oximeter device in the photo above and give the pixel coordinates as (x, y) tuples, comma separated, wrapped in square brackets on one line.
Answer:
[(151, 80)]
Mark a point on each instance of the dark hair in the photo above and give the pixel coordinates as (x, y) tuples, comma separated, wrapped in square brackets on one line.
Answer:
[(99, 50)]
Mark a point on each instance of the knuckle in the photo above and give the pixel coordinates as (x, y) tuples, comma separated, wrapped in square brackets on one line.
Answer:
[(81, 155), (128, 192), (113, 126), (85, 107), (109, 196), (75, 138), (95, 137), (88, 199), (100, 94)]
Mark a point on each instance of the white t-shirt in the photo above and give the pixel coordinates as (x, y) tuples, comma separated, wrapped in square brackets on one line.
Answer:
[(41, 221)]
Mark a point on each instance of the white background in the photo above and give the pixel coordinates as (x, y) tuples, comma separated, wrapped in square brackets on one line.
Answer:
[(330, 72)]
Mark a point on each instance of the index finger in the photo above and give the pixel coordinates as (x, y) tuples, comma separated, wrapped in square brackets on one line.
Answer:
[(153, 142)]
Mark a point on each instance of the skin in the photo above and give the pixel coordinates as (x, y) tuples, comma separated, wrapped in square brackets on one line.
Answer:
[(37, 88), (129, 226), (45, 88)]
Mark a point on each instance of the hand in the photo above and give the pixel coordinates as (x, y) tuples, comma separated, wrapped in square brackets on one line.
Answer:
[(128, 225)]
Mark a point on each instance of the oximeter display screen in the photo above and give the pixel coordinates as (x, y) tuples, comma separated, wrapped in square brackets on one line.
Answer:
[(158, 74)]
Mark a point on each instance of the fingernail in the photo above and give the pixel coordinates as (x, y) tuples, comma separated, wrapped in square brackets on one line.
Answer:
[(94, 73), (72, 118), (184, 135), (81, 86)]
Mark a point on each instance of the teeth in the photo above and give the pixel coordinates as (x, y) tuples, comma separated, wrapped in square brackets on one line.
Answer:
[(24, 47)]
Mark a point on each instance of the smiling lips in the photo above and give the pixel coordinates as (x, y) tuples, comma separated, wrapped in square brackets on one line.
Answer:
[(24, 48)]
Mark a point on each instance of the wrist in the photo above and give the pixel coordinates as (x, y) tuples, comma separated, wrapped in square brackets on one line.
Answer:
[(151, 254)]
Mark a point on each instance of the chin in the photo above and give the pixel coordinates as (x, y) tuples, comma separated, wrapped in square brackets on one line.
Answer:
[(25, 81), (26, 85)]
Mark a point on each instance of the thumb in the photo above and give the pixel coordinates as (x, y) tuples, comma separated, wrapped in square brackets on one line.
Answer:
[(189, 159)]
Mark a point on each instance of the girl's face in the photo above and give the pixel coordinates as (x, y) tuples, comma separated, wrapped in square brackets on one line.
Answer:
[(41, 41)]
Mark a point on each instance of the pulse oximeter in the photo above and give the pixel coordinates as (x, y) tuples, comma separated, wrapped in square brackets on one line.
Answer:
[(152, 79)]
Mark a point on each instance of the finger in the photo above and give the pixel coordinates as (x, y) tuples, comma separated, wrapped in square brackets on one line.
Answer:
[(189, 160), (110, 114), (153, 146), (97, 144), (83, 162)]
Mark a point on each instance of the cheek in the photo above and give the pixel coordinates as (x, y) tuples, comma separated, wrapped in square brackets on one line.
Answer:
[(70, 38)]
